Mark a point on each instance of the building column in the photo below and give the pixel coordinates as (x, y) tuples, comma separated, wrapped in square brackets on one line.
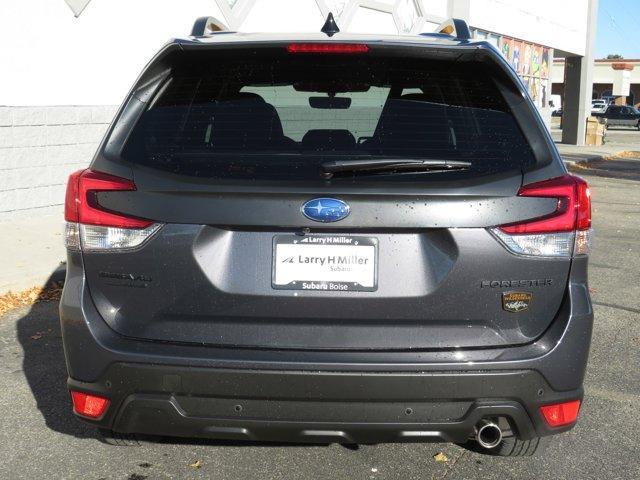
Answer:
[(578, 85)]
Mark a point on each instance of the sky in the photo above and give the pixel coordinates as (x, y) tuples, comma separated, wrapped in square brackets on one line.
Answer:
[(618, 27)]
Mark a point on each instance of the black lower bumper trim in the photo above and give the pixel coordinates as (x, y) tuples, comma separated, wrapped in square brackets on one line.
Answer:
[(318, 407), (158, 415)]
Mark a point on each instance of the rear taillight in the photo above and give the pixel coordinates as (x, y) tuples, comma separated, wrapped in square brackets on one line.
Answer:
[(563, 233), (327, 48), (81, 203), (88, 405), (560, 414), (573, 211), (90, 226)]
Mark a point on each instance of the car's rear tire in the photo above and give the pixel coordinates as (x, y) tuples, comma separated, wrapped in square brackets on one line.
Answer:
[(119, 439), (514, 447), (511, 447)]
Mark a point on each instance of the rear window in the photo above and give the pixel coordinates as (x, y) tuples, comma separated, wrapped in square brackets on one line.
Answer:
[(279, 118)]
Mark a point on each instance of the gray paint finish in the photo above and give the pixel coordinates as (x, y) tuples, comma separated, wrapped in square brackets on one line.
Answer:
[(200, 311), (213, 286)]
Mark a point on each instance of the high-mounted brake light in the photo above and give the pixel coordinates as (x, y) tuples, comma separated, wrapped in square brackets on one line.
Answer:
[(560, 414), (90, 226), (562, 233), (327, 48), (87, 405)]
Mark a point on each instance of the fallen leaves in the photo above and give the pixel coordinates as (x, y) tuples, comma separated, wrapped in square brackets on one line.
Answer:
[(625, 154), (196, 465), (440, 457), (11, 300)]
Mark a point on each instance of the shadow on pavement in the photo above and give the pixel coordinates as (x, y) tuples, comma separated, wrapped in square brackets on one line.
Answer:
[(44, 367), (38, 332)]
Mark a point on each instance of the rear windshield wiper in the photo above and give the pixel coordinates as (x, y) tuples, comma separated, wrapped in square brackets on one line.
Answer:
[(383, 165)]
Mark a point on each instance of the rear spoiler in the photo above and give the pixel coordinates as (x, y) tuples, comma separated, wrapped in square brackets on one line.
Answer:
[(456, 27), (207, 25)]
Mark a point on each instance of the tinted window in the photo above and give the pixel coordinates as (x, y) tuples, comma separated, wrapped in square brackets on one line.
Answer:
[(280, 117)]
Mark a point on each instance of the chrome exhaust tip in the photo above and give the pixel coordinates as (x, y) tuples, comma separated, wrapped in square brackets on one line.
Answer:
[(488, 434)]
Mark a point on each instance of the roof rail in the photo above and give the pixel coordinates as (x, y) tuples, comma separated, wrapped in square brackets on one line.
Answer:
[(456, 27), (206, 25)]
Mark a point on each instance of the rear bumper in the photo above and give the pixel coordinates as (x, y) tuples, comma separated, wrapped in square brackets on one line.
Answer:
[(361, 397), (307, 406)]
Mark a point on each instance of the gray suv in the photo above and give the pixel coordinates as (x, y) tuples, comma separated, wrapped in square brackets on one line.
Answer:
[(328, 238)]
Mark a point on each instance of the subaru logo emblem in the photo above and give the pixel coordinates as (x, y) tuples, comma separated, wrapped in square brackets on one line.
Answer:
[(325, 210)]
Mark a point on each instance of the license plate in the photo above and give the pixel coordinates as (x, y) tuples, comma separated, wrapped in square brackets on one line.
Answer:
[(325, 263)]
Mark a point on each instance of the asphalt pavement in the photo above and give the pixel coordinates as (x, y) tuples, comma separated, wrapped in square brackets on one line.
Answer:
[(39, 437)]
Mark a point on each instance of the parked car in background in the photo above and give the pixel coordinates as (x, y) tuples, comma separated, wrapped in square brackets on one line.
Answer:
[(555, 104), (620, 116), (599, 106)]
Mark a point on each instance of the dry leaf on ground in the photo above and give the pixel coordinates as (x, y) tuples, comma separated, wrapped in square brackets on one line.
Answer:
[(11, 300), (440, 457), (626, 154)]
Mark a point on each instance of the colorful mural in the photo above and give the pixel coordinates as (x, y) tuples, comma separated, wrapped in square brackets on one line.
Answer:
[(532, 64), (529, 60)]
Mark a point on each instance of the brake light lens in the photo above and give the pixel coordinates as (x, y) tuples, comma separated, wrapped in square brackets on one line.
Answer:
[(90, 226), (560, 414), (81, 202), (90, 406), (71, 198), (573, 211), (340, 48), (563, 233)]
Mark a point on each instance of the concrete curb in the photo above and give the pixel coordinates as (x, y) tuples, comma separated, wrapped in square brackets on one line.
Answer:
[(570, 160), (580, 158)]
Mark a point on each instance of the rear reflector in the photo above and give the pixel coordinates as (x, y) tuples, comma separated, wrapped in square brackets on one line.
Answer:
[(87, 405), (559, 414), (327, 48)]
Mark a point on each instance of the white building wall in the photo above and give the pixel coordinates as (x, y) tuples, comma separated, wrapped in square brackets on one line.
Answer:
[(49, 57), (602, 72), (561, 25), (39, 148), (62, 79)]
